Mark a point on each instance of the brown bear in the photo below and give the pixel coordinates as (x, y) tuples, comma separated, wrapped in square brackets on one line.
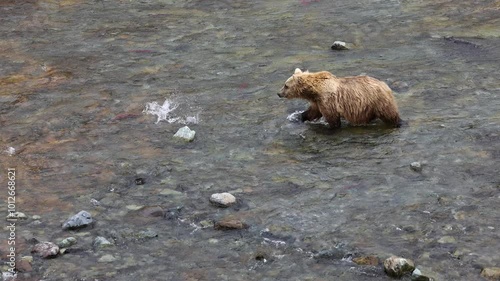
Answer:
[(358, 99)]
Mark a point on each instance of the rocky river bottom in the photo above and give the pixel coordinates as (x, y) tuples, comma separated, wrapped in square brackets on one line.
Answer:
[(92, 93)]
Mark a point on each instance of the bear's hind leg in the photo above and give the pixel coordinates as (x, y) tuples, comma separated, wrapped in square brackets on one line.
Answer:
[(391, 118), (311, 114)]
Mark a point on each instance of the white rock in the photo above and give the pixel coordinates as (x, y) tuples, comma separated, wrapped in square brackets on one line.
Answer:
[(185, 133), (223, 199), (397, 266), (416, 166), (339, 45)]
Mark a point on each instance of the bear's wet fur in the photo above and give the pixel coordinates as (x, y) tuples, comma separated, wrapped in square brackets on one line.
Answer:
[(358, 99)]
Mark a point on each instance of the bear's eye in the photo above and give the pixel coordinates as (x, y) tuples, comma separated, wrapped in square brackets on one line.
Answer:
[(286, 86)]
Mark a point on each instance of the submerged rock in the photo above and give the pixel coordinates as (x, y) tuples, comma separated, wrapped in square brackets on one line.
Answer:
[(229, 223), (491, 273), (222, 199), (82, 219), (146, 234), (331, 254), (339, 46), (152, 211), (107, 258), (101, 242), (185, 133), (366, 260), (397, 266), (67, 242), (46, 250), (447, 240)]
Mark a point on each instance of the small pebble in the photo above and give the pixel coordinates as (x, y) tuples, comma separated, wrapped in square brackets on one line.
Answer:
[(36, 217)]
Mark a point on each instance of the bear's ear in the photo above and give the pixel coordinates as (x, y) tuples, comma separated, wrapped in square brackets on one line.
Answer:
[(297, 71), (307, 71)]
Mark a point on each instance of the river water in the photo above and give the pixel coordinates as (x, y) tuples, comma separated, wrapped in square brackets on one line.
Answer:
[(77, 75)]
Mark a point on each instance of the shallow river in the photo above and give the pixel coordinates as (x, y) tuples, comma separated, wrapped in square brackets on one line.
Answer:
[(76, 76)]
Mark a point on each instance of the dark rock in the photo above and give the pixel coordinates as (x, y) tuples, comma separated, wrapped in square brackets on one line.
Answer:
[(140, 181), (82, 219), (46, 250), (262, 255)]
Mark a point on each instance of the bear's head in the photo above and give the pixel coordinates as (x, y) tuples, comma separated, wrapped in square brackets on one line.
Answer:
[(293, 85)]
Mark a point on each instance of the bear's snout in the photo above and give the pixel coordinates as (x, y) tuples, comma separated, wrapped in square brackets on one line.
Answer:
[(280, 95)]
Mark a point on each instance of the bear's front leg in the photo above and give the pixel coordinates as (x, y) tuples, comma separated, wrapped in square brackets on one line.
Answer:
[(311, 114), (333, 119)]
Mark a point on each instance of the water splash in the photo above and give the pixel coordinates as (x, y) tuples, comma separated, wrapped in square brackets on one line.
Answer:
[(164, 113), (295, 117), (10, 150)]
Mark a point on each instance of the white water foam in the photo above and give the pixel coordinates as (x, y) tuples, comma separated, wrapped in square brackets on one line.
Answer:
[(294, 117), (164, 113), (11, 151)]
